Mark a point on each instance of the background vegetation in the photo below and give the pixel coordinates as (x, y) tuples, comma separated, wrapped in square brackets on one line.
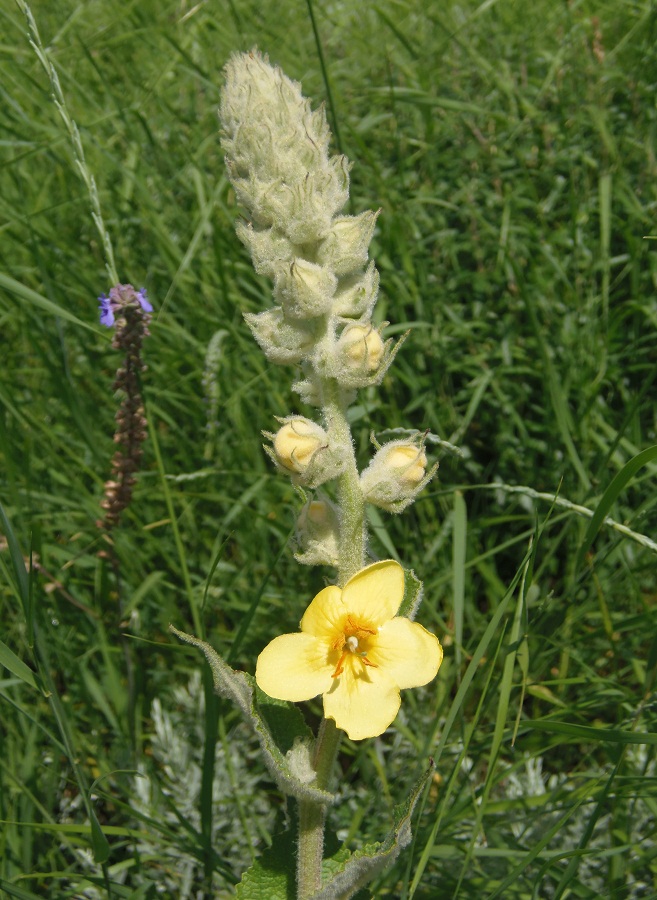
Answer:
[(513, 157)]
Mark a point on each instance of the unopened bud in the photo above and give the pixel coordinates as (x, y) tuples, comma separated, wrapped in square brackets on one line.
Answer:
[(317, 533), (270, 249), (281, 339), (357, 294), (408, 462), (345, 247), (296, 442), (361, 348), (305, 290), (395, 476)]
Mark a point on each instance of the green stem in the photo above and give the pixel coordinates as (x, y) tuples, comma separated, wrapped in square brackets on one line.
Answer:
[(312, 816), (351, 549), (352, 538)]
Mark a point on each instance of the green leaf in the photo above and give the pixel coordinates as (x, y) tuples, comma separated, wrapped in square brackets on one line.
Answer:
[(413, 593), (284, 720), (587, 733), (17, 667), (15, 890), (32, 297), (349, 872), (239, 688), (610, 496), (273, 876)]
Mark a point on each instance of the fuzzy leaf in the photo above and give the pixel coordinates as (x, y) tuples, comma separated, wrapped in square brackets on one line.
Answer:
[(273, 875), (284, 720), (351, 871), (240, 689), (413, 593)]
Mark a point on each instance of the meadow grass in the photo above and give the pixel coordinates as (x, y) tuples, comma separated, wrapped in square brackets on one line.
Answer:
[(513, 157)]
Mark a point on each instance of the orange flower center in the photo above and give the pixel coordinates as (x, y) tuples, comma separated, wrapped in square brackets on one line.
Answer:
[(354, 640)]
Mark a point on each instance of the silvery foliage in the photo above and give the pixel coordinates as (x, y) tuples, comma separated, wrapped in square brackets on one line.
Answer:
[(171, 794)]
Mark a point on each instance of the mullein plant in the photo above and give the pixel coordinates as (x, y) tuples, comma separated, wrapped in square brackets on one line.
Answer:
[(358, 645)]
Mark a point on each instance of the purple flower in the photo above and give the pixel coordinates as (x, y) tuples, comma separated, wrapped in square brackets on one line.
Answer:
[(106, 311), (122, 297), (143, 300)]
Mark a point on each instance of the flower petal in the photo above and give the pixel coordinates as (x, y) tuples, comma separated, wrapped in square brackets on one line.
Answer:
[(362, 701), (375, 593), (408, 653), (144, 301), (294, 667), (325, 614)]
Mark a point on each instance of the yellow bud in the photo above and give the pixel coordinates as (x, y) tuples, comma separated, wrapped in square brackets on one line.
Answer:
[(396, 474), (319, 513), (361, 347), (408, 461), (296, 442)]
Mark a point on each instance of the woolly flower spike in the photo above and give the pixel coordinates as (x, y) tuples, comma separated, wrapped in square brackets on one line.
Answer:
[(355, 651), (277, 151)]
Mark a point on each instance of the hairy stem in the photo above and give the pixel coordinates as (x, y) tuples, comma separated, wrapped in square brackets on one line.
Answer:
[(351, 548), (312, 816), (352, 538)]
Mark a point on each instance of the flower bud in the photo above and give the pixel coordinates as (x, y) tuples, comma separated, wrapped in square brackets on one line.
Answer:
[(357, 294), (305, 210), (360, 348), (395, 476), (408, 462), (304, 450), (282, 341), (317, 533), (270, 250), (345, 247), (305, 290), (296, 442)]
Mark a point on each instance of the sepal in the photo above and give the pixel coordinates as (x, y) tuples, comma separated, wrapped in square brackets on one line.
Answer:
[(413, 595)]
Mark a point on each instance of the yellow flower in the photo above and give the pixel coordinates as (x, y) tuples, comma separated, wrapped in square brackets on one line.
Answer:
[(354, 650)]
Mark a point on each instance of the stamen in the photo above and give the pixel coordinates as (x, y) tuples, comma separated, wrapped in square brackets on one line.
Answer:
[(339, 669), (359, 629), (349, 642)]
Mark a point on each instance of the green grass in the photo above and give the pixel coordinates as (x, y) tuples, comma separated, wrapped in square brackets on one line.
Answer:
[(514, 159)]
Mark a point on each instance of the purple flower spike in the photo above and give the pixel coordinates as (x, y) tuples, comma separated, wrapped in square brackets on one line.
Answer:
[(143, 300), (106, 311)]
